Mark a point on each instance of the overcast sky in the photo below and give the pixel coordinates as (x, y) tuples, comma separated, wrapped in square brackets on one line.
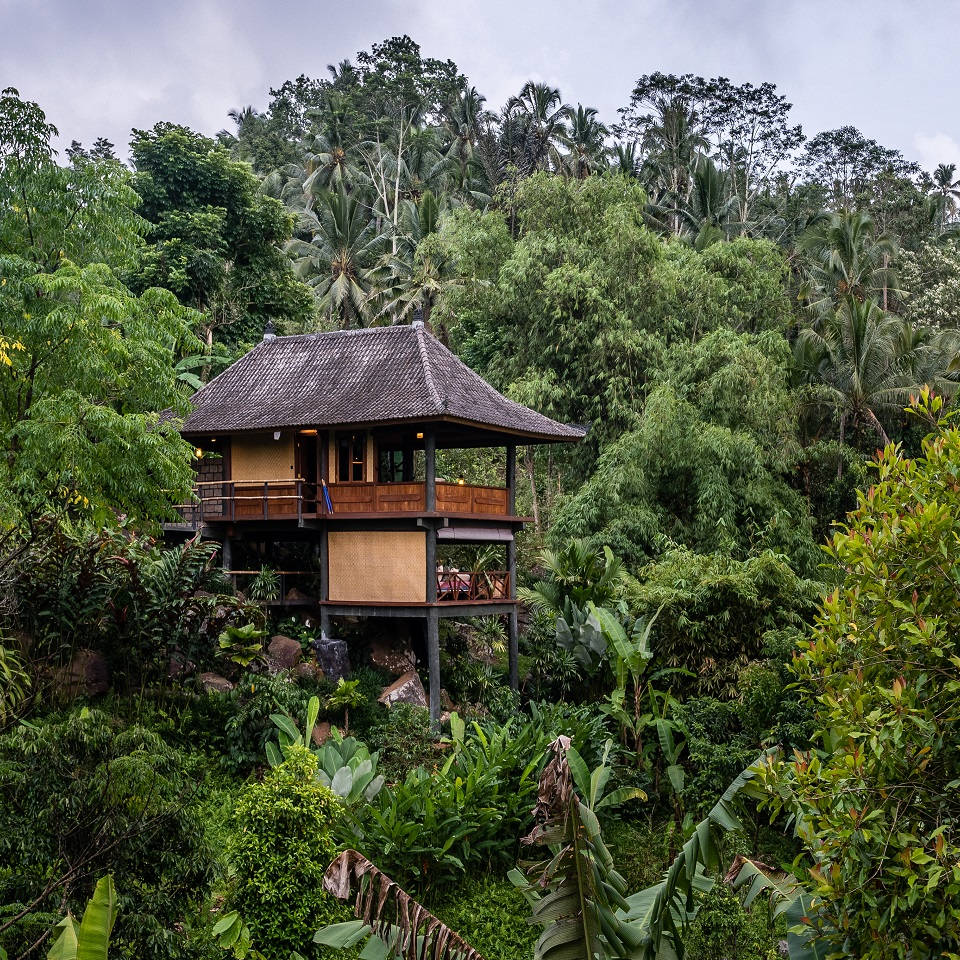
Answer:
[(100, 67)]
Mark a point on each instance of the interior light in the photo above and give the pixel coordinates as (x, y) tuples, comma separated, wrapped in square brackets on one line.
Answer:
[(276, 434), (198, 452), (309, 433), (461, 481), (213, 439), (419, 436)]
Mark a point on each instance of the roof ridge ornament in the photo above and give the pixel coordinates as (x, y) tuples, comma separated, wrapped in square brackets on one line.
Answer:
[(269, 330), (417, 317)]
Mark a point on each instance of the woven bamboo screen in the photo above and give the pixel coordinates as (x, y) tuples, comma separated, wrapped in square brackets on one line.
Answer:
[(262, 458), (378, 566)]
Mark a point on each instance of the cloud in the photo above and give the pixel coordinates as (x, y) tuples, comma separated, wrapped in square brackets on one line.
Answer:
[(936, 148)]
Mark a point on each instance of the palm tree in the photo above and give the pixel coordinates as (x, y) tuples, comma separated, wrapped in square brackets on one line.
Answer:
[(585, 142), (625, 161), (673, 146), (414, 277), (707, 212), (464, 120), (864, 364), (542, 118), (944, 179), (341, 260), (846, 256)]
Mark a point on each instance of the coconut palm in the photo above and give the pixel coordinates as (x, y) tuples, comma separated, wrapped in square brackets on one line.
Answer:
[(947, 185), (542, 123), (342, 259), (625, 160), (863, 364), (846, 256), (707, 212), (463, 122), (413, 277), (584, 139), (673, 146)]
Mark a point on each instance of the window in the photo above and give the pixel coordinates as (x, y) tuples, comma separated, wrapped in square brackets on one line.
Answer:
[(351, 457), (395, 464)]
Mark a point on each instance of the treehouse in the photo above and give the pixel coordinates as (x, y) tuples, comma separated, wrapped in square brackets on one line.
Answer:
[(340, 449)]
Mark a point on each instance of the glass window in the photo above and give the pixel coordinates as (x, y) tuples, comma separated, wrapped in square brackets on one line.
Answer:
[(395, 464), (351, 457)]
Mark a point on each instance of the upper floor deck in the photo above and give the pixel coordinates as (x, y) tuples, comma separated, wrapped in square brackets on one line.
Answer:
[(238, 501)]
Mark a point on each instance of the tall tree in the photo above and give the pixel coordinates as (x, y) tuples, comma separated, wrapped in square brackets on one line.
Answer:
[(542, 117), (85, 365), (343, 260), (214, 238)]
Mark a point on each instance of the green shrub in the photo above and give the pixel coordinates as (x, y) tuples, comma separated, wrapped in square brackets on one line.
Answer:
[(279, 849), (402, 738), (491, 915), (246, 725), (83, 797), (724, 929)]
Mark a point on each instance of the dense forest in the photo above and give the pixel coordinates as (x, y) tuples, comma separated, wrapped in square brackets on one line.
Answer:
[(736, 730)]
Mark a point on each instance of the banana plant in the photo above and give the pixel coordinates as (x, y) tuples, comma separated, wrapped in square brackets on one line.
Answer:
[(576, 894), (345, 765), (289, 736), (349, 769), (89, 939)]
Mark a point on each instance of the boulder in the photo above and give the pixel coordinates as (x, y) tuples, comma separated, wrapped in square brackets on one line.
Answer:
[(395, 658), (321, 733), (307, 670), (214, 683), (407, 689), (85, 676), (284, 652), (333, 657)]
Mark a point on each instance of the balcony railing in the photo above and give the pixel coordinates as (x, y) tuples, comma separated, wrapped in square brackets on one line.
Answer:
[(235, 500), (477, 585), (298, 587)]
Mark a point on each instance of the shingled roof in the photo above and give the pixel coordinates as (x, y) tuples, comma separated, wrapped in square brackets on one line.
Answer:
[(354, 377)]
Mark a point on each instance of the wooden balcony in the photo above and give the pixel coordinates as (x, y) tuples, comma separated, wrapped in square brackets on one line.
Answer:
[(229, 501)]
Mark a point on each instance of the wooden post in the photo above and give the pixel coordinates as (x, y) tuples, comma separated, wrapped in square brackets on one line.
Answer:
[(226, 552), (430, 470), (433, 659), (324, 579), (513, 628)]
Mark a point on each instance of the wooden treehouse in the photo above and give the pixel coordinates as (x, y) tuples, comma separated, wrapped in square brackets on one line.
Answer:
[(330, 442)]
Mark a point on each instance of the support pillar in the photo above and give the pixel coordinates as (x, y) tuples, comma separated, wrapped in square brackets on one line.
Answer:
[(226, 552), (433, 616), (324, 581), (513, 629), (433, 660)]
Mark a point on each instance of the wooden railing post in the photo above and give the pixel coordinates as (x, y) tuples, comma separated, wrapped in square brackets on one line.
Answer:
[(299, 502), (265, 487)]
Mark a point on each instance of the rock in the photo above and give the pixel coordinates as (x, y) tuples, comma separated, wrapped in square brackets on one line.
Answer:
[(85, 675), (333, 657), (214, 683), (180, 666), (393, 657), (445, 700), (321, 733), (408, 689), (285, 652), (307, 670), (293, 594)]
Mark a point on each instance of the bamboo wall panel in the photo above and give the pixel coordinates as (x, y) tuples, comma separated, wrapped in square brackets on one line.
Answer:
[(377, 566), (262, 458)]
